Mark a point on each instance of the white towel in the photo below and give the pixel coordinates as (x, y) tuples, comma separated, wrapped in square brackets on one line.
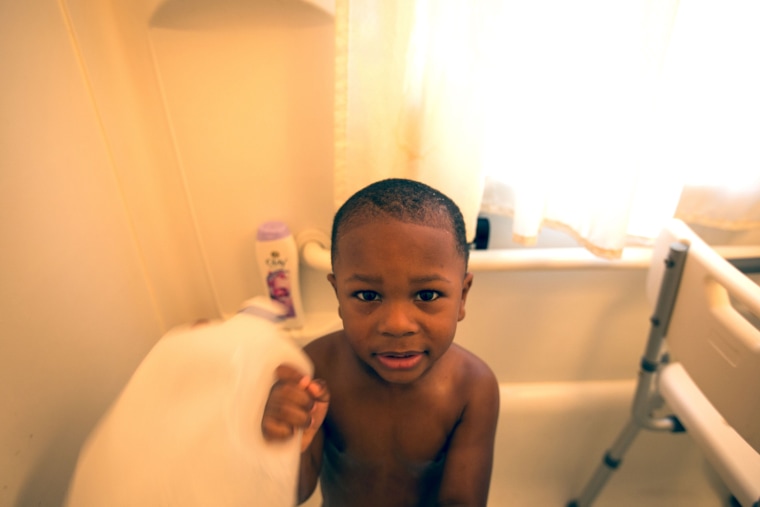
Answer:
[(186, 430)]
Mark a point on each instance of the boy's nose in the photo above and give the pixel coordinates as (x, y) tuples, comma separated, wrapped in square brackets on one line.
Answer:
[(398, 319)]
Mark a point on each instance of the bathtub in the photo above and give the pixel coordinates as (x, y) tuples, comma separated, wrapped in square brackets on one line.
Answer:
[(566, 345), (551, 436)]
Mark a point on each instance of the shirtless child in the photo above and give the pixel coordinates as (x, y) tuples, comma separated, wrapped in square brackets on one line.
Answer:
[(410, 417)]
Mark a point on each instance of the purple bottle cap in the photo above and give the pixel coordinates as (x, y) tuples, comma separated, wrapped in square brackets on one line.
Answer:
[(269, 231)]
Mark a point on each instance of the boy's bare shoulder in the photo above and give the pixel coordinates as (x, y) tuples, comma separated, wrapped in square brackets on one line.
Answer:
[(321, 350), (471, 365), (476, 384)]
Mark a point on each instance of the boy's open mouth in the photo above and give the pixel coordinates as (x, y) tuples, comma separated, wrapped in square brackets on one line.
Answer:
[(400, 360)]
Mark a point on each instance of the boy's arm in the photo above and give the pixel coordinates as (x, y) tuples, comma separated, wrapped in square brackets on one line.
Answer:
[(298, 402), (311, 464), (311, 444), (467, 473)]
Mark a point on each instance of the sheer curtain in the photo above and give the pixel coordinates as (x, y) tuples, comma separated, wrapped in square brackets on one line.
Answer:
[(409, 95), (601, 118)]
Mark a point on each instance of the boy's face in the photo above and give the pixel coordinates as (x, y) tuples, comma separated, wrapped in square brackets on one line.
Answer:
[(401, 290)]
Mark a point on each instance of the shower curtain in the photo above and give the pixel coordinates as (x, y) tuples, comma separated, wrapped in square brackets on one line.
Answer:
[(409, 96)]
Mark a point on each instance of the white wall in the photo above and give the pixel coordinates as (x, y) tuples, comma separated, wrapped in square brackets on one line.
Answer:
[(118, 220), (76, 310)]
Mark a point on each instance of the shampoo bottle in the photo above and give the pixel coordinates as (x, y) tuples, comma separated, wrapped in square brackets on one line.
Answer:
[(277, 257)]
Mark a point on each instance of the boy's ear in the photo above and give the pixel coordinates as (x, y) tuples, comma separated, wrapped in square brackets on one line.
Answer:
[(466, 285)]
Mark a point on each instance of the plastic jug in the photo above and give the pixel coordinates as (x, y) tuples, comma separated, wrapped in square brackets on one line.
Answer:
[(186, 430)]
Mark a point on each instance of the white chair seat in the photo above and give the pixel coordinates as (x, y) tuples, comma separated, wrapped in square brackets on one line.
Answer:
[(732, 457)]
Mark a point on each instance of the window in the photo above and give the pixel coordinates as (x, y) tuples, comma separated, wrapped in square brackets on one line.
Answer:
[(600, 118)]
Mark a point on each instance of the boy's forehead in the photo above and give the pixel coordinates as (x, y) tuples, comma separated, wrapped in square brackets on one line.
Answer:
[(435, 220), (393, 232), (400, 230)]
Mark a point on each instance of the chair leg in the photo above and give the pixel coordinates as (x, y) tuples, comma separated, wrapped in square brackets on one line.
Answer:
[(646, 398), (610, 462)]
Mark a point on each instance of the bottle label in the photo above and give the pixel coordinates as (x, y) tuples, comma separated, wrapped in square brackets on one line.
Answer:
[(278, 282)]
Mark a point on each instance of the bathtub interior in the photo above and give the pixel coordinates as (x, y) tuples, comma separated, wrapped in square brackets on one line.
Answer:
[(551, 437), (567, 381)]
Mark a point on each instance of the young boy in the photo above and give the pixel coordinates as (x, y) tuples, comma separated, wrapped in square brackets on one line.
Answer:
[(410, 417)]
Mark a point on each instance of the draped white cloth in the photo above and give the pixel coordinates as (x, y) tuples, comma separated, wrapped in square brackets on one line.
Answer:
[(602, 118)]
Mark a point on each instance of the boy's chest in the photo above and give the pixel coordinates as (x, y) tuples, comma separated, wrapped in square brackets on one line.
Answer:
[(406, 430)]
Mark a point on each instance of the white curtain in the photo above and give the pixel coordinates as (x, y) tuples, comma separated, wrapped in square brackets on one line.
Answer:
[(409, 96), (602, 118), (709, 112)]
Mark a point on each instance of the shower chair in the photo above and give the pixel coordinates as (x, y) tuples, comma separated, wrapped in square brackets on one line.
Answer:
[(700, 371)]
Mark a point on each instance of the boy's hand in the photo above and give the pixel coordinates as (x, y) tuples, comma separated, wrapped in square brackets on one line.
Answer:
[(295, 402)]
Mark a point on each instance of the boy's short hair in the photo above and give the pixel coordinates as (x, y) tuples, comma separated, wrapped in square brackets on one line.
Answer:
[(403, 200)]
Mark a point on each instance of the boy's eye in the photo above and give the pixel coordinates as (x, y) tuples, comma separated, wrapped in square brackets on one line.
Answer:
[(428, 295), (367, 295)]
